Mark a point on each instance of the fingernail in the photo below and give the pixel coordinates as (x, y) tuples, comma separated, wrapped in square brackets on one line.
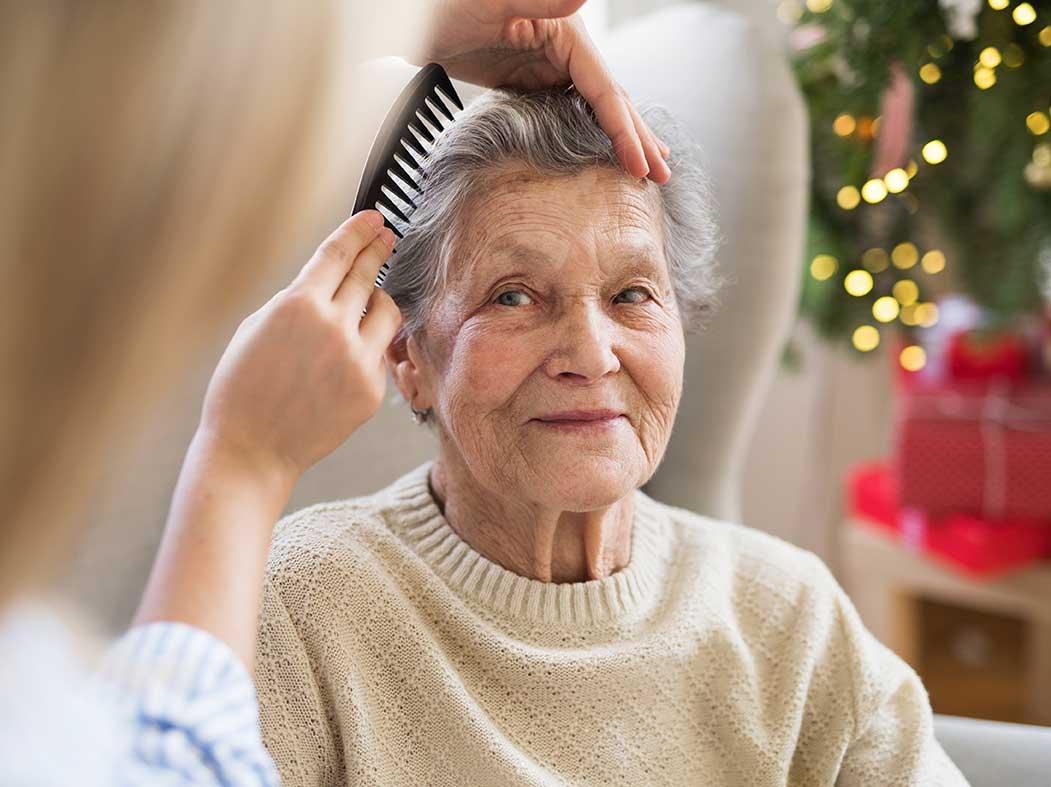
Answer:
[(374, 217), (388, 236)]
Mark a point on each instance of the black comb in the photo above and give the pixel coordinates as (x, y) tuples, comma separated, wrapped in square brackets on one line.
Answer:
[(394, 170)]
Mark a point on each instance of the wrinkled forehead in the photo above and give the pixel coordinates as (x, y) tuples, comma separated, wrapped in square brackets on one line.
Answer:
[(527, 218)]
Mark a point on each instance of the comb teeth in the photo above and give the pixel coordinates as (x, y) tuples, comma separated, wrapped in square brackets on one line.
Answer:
[(397, 170), (426, 113), (422, 129), (394, 173), (391, 185), (386, 202), (438, 104)]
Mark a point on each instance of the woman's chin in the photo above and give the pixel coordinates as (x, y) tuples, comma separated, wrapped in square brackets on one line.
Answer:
[(584, 482)]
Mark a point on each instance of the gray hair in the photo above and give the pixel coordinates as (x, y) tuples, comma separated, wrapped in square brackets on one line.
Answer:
[(552, 132)]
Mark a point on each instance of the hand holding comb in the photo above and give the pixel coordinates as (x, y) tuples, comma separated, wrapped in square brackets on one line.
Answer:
[(394, 170)]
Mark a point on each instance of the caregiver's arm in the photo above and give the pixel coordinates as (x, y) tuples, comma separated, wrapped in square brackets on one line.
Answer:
[(299, 376)]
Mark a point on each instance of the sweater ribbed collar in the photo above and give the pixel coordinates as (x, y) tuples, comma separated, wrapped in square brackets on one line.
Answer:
[(420, 524)]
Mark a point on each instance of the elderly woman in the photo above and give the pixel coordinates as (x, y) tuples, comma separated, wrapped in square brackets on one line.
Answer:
[(517, 611)]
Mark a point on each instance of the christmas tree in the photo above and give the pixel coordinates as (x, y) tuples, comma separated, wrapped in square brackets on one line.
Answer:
[(931, 160)]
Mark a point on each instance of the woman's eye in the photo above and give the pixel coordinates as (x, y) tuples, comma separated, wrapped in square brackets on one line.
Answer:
[(640, 290), (509, 292), (636, 289)]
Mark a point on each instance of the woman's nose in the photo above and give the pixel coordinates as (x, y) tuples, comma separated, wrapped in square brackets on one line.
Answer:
[(585, 338)]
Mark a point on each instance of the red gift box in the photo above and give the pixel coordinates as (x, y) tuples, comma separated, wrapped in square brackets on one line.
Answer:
[(983, 355), (975, 546), (981, 449)]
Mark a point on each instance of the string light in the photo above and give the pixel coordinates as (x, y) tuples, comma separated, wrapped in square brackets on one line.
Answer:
[(913, 358), (933, 261), (864, 129), (984, 77), (865, 338), (1023, 14), (1037, 123), (1045, 36), (875, 260), (911, 168), (844, 124), (998, 5), (934, 152), (908, 314), (990, 57), (885, 309), (930, 73), (818, 6), (848, 198), (906, 291), (926, 314), (823, 266), (858, 282), (896, 180), (874, 191), (905, 255)]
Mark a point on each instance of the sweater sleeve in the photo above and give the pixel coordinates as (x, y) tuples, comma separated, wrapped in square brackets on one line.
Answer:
[(190, 706), (296, 726), (893, 739)]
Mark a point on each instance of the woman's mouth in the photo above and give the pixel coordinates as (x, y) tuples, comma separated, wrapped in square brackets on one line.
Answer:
[(576, 426)]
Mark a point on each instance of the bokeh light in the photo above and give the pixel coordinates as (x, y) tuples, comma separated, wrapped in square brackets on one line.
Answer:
[(823, 266), (935, 152), (905, 255), (906, 291), (885, 309), (933, 261), (930, 73), (874, 191), (844, 125), (858, 282), (897, 180), (865, 338), (1037, 123), (1024, 14), (848, 198), (913, 358), (875, 260)]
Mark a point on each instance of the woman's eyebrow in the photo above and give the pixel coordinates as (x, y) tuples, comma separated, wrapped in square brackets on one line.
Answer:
[(637, 258)]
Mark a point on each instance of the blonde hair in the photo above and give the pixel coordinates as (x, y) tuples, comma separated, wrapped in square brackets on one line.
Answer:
[(151, 155)]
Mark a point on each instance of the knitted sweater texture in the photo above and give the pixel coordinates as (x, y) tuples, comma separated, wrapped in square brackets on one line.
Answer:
[(392, 653)]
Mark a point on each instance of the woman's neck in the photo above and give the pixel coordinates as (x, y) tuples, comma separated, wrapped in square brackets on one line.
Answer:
[(547, 544)]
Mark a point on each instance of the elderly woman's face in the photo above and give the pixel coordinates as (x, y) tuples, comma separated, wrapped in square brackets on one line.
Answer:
[(559, 299)]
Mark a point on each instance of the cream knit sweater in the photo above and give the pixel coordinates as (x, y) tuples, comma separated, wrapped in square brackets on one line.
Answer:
[(391, 653)]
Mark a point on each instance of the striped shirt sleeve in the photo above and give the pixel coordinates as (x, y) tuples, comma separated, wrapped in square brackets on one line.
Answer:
[(190, 706)]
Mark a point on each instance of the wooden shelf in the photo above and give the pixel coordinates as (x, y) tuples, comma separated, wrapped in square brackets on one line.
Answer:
[(888, 583)]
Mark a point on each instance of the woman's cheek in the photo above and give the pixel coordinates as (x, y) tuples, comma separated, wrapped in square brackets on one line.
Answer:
[(657, 367), (489, 364)]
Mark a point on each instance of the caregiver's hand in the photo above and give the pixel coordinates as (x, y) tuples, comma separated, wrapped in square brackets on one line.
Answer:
[(299, 376), (306, 370), (540, 43)]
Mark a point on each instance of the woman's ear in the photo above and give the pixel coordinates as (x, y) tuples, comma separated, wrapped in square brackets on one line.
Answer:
[(404, 359)]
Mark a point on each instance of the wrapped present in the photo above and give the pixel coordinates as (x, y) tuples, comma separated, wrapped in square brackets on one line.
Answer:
[(980, 448), (976, 547), (985, 355), (968, 343)]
